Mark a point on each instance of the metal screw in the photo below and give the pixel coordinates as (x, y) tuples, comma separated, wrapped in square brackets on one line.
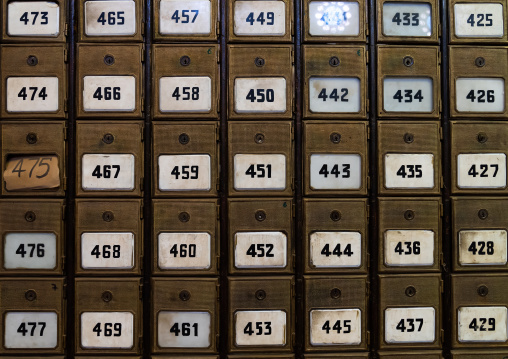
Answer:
[(409, 138), (30, 295), (260, 215), (108, 138), (30, 216), (185, 60), (108, 216), (335, 137), (184, 295), (32, 60), (184, 217), (410, 291), (184, 138), (334, 61), (31, 138), (260, 294), (107, 296), (482, 137), (109, 60), (259, 138), (483, 214), (335, 216), (409, 215), (483, 290), (335, 293), (259, 61), (408, 61), (479, 61)]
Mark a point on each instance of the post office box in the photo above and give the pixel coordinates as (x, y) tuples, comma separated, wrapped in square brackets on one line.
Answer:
[(176, 20), (336, 158), (409, 81), (409, 236), (478, 81), (262, 356), (478, 152), (109, 158), (476, 22), (110, 21), (33, 236), (185, 159), (185, 81), (260, 21), (486, 354), (33, 316), (34, 158), (109, 236), (34, 81), (336, 313), (185, 315), (423, 354), (408, 21), (186, 237), (480, 230), (110, 80), (261, 314), (261, 236), (410, 311), (335, 235), (260, 81), (108, 316), (353, 355), (334, 21), (409, 158), (34, 21), (479, 311), (260, 158), (335, 81)]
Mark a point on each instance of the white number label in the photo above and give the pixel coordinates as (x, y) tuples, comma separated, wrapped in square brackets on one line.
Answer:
[(334, 18), (407, 95), (184, 250), (483, 247), (480, 95), (260, 95), (334, 95), (110, 18), (32, 94), (185, 17), (335, 326), (410, 325), (107, 250), (409, 170), (409, 248), (107, 171), (260, 172), (407, 19), (260, 250), (481, 170), (260, 327), (31, 330), (335, 171), (184, 173), (109, 93), (183, 329), (33, 18), (101, 330), (260, 18), (185, 94), (30, 251), (482, 324), (336, 249), (479, 20)]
